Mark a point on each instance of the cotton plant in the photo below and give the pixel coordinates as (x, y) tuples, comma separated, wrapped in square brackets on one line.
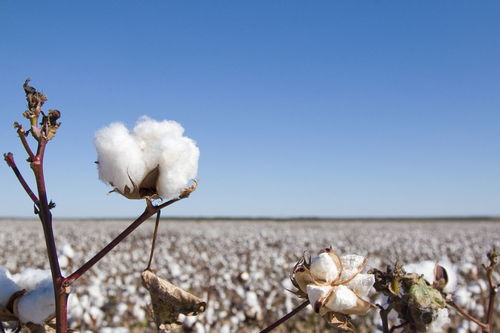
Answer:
[(422, 293), (154, 161)]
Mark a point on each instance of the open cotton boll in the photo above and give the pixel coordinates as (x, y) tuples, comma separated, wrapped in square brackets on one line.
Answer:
[(324, 268), (154, 159), (7, 287), (119, 157), (36, 305)]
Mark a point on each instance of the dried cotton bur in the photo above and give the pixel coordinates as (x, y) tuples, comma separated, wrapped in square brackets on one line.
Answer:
[(169, 301), (419, 303), (334, 286)]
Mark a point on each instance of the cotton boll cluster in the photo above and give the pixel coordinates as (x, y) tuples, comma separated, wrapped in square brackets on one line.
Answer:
[(154, 159), (37, 304), (240, 266)]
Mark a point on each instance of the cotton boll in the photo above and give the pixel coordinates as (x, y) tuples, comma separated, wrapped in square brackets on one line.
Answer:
[(38, 304), (324, 268), (7, 287), (120, 158), (128, 157)]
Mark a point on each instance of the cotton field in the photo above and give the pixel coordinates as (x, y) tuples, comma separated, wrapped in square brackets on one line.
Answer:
[(241, 268)]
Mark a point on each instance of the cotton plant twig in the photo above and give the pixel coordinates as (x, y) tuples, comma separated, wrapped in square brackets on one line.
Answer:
[(153, 242), (384, 313), (285, 317), (9, 158)]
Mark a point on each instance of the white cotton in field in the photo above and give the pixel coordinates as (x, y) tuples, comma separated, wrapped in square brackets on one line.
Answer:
[(67, 250), (7, 286), (324, 268), (425, 268), (37, 304), (126, 157)]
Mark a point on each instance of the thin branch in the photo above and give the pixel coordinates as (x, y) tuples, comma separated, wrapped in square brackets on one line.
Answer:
[(384, 313), (467, 315), (155, 232), (9, 158), (393, 328), (493, 257), (86, 266), (22, 135), (285, 317)]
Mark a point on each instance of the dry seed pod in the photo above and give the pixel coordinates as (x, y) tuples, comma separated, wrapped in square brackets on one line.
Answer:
[(169, 301)]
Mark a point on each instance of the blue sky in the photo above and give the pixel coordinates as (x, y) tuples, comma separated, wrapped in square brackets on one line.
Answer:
[(326, 108)]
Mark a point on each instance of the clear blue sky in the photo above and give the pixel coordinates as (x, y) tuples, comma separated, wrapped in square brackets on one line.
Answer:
[(324, 108)]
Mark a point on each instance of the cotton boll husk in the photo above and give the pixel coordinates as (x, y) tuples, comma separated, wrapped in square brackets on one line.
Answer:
[(120, 158), (36, 305), (451, 272), (425, 268), (323, 267), (7, 287)]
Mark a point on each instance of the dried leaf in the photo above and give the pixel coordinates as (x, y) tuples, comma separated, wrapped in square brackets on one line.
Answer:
[(339, 321), (169, 301)]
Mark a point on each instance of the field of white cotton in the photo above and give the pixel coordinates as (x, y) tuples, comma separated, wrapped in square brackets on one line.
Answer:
[(241, 268)]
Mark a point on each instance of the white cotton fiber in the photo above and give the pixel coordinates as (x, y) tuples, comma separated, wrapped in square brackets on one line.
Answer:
[(31, 277), (119, 156), (7, 287), (125, 155), (38, 304), (324, 268)]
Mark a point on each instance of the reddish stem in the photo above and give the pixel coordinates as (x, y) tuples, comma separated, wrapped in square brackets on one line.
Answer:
[(45, 216), (22, 136), (148, 212), (285, 317), (9, 158)]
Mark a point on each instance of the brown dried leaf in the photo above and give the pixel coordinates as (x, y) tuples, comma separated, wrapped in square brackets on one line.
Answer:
[(169, 301), (339, 321)]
